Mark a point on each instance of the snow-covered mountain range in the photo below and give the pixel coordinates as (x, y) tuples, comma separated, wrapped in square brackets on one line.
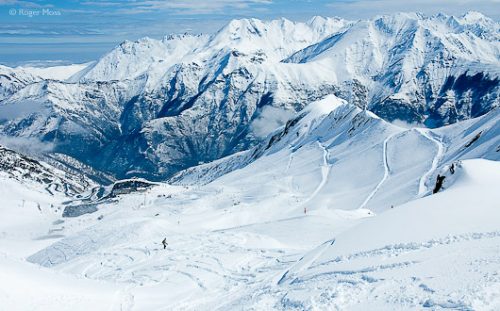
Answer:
[(332, 164), (151, 108)]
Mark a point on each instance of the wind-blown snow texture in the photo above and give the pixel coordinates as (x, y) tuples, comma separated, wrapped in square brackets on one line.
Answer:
[(151, 108)]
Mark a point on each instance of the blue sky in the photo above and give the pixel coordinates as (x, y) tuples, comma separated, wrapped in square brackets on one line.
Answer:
[(79, 31)]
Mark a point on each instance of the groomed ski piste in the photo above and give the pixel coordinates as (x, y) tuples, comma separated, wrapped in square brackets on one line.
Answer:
[(333, 212)]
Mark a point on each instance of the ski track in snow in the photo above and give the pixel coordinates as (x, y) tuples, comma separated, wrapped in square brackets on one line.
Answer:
[(304, 263), (386, 172), (342, 286), (195, 261), (422, 188), (365, 279), (325, 172), (290, 159), (401, 248)]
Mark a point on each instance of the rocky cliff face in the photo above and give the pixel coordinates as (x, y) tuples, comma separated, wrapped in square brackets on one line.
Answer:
[(42, 175)]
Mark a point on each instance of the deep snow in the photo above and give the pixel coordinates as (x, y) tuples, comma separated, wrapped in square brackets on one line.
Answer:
[(439, 251)]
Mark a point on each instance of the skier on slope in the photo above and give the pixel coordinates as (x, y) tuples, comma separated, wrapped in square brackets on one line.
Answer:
[(164, 242)]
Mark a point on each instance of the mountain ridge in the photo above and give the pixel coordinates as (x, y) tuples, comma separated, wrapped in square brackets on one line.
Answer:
[(151, 108)]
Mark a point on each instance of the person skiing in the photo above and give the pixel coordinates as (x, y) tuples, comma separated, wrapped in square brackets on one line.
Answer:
[(164, 242)]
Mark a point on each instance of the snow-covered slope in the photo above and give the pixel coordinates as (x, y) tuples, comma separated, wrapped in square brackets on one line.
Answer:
[(146, 58), (28, 287), (13, 80), (148, 92), (334, 210), (254, 247), (437, 252), (151, 108), (32, 197), (62, 72), (268, 40), (317, 155), (440, 251)]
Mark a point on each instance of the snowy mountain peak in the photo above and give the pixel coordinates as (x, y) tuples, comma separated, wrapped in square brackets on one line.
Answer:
[(238, 28), (277, 38), (317, 20), (150, 108), (144, 57), (475, 16)]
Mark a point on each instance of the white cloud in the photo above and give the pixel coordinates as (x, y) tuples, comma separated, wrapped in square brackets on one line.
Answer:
[(369, 8), (24, 4), (26, 145), (270, 119), (186, 7)]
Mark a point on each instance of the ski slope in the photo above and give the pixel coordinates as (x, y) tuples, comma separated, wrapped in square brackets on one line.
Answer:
[(423, 186), (221, 258), (437, 252), (386, 172), (241, 240)]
